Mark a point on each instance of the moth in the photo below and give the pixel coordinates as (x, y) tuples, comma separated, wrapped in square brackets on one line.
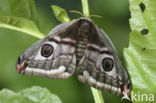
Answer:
[(77, 46)]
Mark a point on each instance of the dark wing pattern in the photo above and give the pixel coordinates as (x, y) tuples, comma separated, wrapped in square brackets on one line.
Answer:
[(78, 45), (100, 66), (53, 56)]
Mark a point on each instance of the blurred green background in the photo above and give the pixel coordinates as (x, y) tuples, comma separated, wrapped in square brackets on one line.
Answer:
[(115, 23)]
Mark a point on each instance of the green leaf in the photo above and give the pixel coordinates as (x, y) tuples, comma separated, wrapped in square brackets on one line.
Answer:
[(19, 15), (19, 8), (140, 56), (20, 24), (30, 95), (60, 14)]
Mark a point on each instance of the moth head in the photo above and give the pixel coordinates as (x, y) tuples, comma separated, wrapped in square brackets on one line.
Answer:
[(84, 27)]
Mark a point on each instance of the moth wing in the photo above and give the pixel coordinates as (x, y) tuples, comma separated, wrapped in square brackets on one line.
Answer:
[(62, 61), (99, 53)]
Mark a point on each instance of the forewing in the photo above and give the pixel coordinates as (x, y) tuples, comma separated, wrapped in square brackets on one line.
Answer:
[(53, 56)]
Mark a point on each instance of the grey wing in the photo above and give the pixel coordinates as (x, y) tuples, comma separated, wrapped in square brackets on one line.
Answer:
[(101, 68), (52, 56)]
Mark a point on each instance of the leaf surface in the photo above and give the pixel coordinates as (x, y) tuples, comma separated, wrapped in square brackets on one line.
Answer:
[(140, 56), (31, 95), (60, 14)]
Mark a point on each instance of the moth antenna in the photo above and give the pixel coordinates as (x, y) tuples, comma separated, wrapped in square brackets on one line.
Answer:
[(98, 16), (77, 12)]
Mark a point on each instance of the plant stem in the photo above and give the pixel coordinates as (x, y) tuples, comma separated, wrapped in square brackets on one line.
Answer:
[(85, 8), (97, 95)]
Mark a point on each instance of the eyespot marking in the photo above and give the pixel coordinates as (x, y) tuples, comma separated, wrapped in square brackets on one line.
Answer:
[(47, 50), (107, 64)]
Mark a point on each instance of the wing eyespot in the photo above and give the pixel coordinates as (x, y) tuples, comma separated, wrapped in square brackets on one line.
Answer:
[(47, 50), (107, 64)]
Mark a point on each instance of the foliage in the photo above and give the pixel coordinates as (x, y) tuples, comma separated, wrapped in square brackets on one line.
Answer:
[(60, 13), (15, 15), (140, 56), (30, 95)]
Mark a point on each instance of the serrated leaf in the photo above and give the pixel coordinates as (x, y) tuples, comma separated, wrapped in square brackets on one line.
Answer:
[(19, 8), (60, 14), (140, 56), (20, 24), (30, 95)]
